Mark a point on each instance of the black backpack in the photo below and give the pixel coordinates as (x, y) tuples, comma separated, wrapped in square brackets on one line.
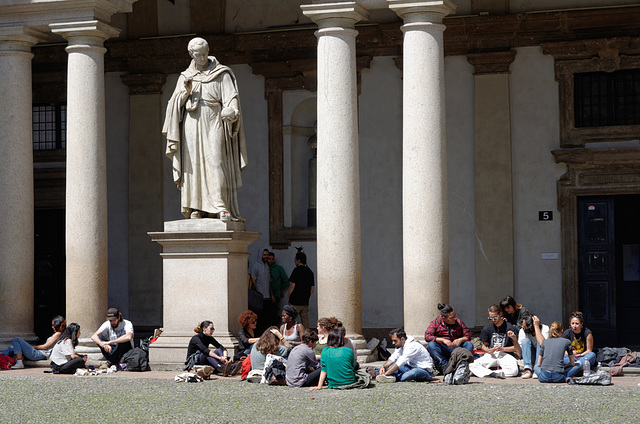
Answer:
[(136, 359)]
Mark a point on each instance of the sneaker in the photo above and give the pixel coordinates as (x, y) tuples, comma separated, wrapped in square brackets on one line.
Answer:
[(18, 366), (527, 374), (381, 378), (535, 375), (498, 374), (227, 369), (237, 368)]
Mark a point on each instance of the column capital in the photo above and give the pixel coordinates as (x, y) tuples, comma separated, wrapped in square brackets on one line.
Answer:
[(144, 83), (492, 62), (421, 11), (342, 14), (92, 33), (20, 38)]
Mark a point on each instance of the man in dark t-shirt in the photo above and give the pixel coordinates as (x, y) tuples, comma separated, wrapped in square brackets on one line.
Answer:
[(499, 341), (301, 287)]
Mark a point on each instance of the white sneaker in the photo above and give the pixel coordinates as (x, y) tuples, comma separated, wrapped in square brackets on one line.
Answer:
[(381, 378), (19, 365), (527, 374)]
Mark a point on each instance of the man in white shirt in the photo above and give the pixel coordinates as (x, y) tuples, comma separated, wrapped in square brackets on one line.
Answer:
[(409, 362), (114, 337)]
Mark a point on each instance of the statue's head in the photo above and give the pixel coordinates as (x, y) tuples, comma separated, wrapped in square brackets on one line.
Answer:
[(199, 50)]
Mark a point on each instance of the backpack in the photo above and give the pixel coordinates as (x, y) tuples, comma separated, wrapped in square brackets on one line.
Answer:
[(136, 360), (6, 362)]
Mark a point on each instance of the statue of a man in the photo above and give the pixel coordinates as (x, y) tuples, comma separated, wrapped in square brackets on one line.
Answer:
[(205, 137)]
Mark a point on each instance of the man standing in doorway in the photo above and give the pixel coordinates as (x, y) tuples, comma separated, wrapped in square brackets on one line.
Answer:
[(279, 283), (262, 277), (301, 287)]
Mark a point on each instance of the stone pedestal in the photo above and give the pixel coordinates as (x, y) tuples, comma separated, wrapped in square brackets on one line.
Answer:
[(205, 277)]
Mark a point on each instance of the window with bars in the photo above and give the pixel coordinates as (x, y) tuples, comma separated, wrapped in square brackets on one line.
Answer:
[(604, 99), (49, 126)]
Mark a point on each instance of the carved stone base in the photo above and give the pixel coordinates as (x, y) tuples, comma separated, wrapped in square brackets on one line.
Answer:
[(205, 277)]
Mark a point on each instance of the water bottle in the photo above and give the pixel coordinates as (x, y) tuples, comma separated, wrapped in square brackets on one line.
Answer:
[(586, 368)]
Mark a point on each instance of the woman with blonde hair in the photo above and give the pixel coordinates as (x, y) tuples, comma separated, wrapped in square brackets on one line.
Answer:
[(550, 367)]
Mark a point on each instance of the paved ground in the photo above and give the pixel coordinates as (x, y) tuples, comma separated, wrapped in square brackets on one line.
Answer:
[(31, 396)]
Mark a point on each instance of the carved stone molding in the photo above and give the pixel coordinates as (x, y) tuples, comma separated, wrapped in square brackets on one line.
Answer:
[(140, 84), (598, 55), (491, 63), (590, 172)]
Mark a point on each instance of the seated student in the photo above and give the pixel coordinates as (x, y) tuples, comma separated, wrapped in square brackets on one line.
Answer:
[(410, 361), (269, 343), (581, 342), (325, 325), (303, 370), (530, 338), (114, 337), (64, 359), (290, 329), (512, 311), (498, 342), (22, 349), (246, 336), (199, 349), (550, 366), (339, 365), (445, 334)]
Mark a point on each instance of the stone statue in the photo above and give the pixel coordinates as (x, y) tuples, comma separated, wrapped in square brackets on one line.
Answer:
[(205, 137)]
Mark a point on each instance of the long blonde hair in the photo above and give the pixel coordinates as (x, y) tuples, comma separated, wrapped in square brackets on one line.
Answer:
[(555, 329)]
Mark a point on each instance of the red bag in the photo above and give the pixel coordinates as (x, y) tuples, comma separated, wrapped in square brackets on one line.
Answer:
[(6, 362), (246, 367)]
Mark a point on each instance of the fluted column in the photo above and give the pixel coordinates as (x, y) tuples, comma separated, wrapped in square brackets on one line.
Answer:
[(16, 174), (424, 162), (338, 215), (86, 203)]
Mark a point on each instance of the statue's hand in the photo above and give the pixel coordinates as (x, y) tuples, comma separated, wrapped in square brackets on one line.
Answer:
[(173, 147), (229, 114)]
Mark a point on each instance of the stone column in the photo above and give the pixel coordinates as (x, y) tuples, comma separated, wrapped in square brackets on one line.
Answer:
[(86, 203), (16, 174), (493, 180), (338, 216), (424, 162), (146, 157)]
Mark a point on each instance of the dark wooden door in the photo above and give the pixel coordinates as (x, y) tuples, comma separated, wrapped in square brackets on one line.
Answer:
[(597, 270)]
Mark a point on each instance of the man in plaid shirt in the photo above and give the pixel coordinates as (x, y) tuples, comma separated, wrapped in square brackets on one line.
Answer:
[(446, 333)]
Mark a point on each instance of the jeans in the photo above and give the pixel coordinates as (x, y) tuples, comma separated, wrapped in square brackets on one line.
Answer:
[(24, 348), (528, 350), (208, 360), (440, 353), (406, 373), (545, 376), (117, 351), (591, 357)]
